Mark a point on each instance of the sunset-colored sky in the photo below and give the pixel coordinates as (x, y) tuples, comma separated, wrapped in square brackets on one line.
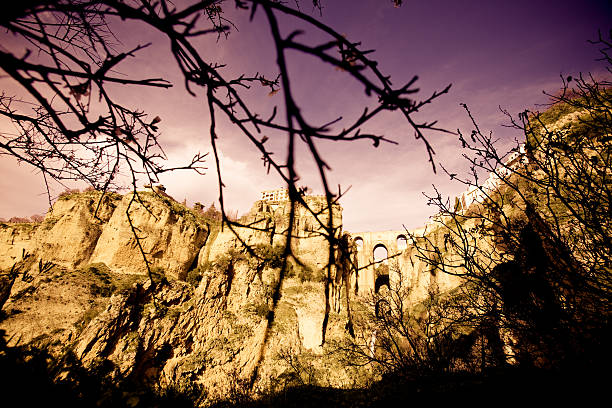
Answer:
[(495, 53)]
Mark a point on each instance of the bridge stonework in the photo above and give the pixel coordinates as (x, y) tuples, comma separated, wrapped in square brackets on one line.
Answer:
[(395, 243), (405, 267)]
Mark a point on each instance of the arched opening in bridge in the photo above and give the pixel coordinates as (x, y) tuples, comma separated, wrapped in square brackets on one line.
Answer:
[(358, 243), (402, 242), (380, 253), (381, 268), (382, 282)]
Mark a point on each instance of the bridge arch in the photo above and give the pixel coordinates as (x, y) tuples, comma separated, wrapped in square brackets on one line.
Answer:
[(380, 252), (358, 243), (381, 268), (381, 281), (402, 242), (373, 247)]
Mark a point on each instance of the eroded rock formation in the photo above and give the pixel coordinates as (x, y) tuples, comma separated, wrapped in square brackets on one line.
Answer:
[(212, 321), (170, 234), (213, 330)]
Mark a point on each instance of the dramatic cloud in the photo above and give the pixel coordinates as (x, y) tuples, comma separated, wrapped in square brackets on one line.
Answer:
[(494, 53)]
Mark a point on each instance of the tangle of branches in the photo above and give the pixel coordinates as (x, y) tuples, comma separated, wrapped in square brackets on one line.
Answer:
[(67, 60)]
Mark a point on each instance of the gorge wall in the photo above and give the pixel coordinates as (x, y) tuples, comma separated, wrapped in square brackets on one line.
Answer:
[(207, 322), (82, 289)]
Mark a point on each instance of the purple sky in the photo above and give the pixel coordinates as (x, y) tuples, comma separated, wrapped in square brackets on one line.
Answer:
[(493, 52)]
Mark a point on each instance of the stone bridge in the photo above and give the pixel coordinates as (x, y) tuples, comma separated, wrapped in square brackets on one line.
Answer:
[(390, 258), (378, 254)]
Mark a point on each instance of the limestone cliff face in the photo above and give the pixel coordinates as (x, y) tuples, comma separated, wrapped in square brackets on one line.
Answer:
[(169, 234), (216, 334), (52, 306), (70, 231), (213, 331), (14, 240), (66, 237), (270, 223), (87, 228), (81, 229), (418, 274)]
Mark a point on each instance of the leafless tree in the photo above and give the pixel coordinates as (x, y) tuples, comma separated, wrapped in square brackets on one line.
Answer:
[(532, 241), (409, 339), (66, 58)]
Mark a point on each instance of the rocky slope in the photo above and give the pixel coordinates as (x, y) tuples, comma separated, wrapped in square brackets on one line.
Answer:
[(170, 234), (82, 290), (87, 228)]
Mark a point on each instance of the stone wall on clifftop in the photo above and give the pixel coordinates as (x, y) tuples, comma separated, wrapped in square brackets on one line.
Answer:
[(268, 223)]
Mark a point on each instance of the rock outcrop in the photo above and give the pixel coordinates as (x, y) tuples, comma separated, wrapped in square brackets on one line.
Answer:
[(213, 322), (170, 235), (214, 335), (87, 228), (70, 232), (214, 330), (268, 223), (15, 241)]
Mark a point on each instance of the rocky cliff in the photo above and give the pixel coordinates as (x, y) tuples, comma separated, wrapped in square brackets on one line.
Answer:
[(83, 290), (67, 236), (86, 228), (268, 223), (170, 234)]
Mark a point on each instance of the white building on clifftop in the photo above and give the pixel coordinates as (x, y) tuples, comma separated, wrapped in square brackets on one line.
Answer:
[(282, 194)]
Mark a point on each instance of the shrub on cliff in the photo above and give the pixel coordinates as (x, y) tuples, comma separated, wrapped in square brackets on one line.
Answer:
[(535, 248)]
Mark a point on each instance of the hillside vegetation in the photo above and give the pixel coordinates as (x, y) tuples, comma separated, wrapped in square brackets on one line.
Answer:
[(534, 251), (513, 292)]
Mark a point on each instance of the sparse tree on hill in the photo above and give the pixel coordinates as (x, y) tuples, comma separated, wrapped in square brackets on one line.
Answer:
[(534, 247), (532, 250)]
